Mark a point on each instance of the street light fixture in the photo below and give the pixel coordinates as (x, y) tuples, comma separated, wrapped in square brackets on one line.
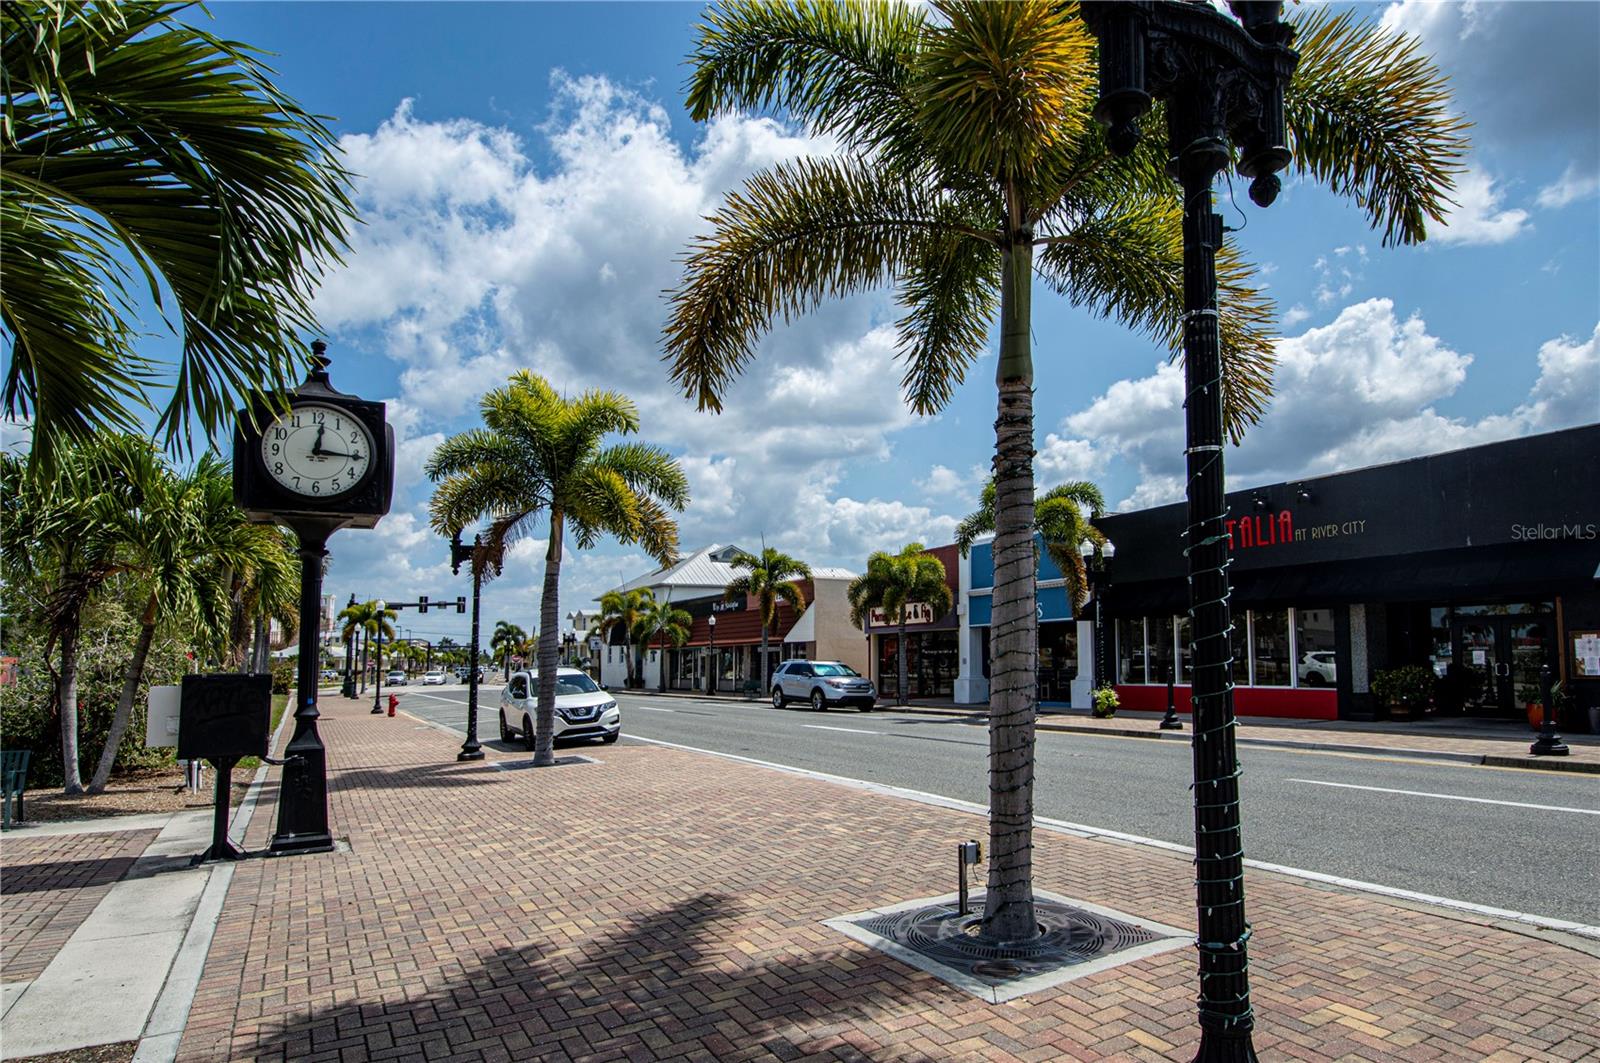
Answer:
[(379, 608), (1095, 559), (711, 667), (1223, 83)]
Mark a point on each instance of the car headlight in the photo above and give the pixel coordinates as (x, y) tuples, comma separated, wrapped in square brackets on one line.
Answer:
[(837, 684)]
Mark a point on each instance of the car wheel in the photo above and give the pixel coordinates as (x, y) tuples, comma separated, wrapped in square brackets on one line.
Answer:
[(527, 731), (818, 702), (609, 739), (868, 708), (1314, 679), (505, 732), (778, 700)]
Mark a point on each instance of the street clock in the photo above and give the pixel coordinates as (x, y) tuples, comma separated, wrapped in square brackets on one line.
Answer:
[(328, 456), (318, 461)]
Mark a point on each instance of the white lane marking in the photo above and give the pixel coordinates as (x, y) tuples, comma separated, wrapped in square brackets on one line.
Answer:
[(1449, 797), (1081, 830), (651, 708), (435, 697), (849, 730)]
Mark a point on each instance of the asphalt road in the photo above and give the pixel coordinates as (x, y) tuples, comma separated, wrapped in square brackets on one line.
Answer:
[(1524, 840)]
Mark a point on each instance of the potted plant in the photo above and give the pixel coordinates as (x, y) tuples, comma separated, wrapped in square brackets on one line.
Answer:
[(1104, 703), (1560, 705), (1406, 691)]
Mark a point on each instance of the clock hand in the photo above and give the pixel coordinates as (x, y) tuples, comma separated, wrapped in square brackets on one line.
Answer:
[(316, 447)]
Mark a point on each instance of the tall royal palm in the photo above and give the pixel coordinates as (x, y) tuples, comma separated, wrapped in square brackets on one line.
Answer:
[(138, 147), (541, 454), (970, 164), (769, 579), (1060, 519), (891, 583)]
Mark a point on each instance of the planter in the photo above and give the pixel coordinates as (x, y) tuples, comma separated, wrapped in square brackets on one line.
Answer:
[(1535, 715), (1594, 719)]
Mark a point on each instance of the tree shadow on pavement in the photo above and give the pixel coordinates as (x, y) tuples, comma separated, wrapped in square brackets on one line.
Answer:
[(680, 982), (412, 776)]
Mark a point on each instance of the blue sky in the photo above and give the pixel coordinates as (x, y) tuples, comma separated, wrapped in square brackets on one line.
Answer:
[(529, 173)]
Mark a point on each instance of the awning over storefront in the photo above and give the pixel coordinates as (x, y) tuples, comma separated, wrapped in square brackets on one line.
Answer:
[(805, 629), (1487, 573)]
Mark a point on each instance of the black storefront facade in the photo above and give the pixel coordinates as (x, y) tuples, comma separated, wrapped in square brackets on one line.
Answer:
[(1478, 564)]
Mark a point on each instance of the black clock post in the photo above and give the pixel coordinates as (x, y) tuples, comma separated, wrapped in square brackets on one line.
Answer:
[(314, 491)]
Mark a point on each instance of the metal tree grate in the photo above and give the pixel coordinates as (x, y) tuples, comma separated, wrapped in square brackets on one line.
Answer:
[(1076, 939)]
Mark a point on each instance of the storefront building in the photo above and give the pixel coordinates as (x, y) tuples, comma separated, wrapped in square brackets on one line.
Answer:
[(1480, 565), (933, 656), (1060, 646), (724, 645)]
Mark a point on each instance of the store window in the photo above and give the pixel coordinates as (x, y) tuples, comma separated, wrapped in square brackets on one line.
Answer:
[(1316, 664), (1185, 652), (1130, 651), (1160, 632), (1269, 645)]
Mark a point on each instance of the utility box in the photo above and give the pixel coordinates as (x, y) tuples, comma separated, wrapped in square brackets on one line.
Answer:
[(161, 717), (224, 717)]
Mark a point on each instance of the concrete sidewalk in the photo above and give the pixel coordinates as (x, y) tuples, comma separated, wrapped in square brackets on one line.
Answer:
[(1458, 740), (659, 904)]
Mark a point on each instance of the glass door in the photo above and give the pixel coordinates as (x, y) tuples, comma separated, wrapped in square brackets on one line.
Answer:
[(1477, 657), (1529, 644)]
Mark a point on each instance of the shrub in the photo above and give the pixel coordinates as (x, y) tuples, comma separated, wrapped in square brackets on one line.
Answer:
[(284, 674), (1409, 688), (1105, 704)]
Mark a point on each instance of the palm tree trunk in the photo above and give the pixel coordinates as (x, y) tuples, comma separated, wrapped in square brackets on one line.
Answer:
[(130, 687), (1008, 909), (366, 639), (67, 702), (764, 687), (549, 646), (260, 651), (661, 678), (902, 679)]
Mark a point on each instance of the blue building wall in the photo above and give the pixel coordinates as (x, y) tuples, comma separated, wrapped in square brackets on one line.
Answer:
[(1053, 602)]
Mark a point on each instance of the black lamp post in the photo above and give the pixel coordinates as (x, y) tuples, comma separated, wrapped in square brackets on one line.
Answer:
[(349, 688), (377, 671), (477, 557), (711, 669), (1548, 744), (1222, 82), (1095, 559)]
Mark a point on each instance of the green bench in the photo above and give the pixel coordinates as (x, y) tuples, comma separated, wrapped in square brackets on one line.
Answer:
[(13, 780)]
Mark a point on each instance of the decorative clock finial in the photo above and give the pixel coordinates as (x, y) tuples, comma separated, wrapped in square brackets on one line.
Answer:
[(319, 362)]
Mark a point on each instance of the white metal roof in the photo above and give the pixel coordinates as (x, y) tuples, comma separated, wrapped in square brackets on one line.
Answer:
[(708, 570)]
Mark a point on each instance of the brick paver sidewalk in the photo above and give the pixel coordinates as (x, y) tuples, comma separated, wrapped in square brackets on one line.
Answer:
[(668, 905), (48, 887)]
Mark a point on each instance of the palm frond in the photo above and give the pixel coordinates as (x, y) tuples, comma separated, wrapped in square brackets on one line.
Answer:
[(1369, 116), (952, 292), (794, 235)]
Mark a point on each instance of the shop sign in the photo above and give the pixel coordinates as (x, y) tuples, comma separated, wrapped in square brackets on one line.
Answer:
[(728, 607), (916, 613), (1276, 529)]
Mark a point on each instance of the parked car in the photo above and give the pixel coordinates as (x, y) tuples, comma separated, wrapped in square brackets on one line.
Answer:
[(395, 678), (822, 683), (330, 673), (583, 710), (433, 679), (1318, 669)]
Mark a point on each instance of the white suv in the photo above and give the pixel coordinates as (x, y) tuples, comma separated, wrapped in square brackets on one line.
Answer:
[(822, 683), (583, 710)]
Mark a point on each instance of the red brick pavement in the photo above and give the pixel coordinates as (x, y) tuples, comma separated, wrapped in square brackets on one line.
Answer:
[(48, 887), (667, 905)]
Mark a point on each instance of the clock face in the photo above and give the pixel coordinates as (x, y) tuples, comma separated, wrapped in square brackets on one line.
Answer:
[(317, 451)]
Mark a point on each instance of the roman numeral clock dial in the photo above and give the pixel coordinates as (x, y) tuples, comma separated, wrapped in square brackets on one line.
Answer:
[(317, 451)]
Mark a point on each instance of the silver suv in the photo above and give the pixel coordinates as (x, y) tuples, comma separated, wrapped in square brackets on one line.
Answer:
[(822, 683)]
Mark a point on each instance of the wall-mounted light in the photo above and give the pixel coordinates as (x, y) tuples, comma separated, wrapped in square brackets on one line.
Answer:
[(1259, 501), (1302, 492)]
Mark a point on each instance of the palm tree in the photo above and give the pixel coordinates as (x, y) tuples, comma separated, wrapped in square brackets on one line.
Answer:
[(541, 453), (182, 538), (768, 579), (55, 534), (665, 623), (507, 636), (1058, 517), (130, 138), (971, 163), (891, 583), (353, 631), (621, 611), (380, 630)]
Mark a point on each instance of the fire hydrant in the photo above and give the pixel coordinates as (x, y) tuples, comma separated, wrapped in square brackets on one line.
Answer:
[(394, 701)]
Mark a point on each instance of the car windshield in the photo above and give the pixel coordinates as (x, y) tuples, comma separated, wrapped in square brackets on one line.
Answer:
[(575, 684), (833, 669)]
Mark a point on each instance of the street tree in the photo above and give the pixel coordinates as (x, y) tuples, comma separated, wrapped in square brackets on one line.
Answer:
[(769, 579), (891, 583), (622, 611), (137, 148), (665, 623), (1060, 519), (969, 164), (543, 455), (503, 643)]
